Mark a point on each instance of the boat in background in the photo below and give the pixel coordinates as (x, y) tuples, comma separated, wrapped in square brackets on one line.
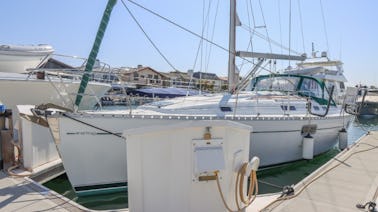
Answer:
[(368, 103), (51, 82), (19, 58), (323, 68), (24, 89), (170, 92)]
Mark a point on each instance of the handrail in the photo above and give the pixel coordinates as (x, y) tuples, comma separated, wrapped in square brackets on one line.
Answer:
[(357, 110), (75, 73), (309, 106)]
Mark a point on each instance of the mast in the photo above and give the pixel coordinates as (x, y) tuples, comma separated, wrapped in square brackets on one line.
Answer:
[(231, 47), (94, 51)]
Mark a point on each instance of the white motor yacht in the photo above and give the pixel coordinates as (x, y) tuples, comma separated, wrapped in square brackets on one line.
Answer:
[(19, 58)]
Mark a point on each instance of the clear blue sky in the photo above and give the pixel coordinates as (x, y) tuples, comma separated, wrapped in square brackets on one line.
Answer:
[(70, 27)]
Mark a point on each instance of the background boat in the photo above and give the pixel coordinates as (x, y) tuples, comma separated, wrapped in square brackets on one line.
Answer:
[(369, 106), (49, 82), (19, 58)]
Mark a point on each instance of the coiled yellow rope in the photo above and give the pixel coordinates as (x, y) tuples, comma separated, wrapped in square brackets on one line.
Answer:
[(239, 191)]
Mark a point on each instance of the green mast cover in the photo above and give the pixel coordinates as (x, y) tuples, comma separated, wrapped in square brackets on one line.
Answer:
[(94, 51)]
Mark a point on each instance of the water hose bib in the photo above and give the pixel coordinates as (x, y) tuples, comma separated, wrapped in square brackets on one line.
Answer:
[(207, 134)]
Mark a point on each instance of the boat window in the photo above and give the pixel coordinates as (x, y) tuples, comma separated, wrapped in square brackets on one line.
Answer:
[(160, 104), (342, 85), (315, 107), (312, 88), (291, 107), (226, 109), (277, 84)]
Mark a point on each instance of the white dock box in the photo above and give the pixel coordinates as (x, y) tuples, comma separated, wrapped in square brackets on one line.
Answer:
[(171, 167), (38, 144)]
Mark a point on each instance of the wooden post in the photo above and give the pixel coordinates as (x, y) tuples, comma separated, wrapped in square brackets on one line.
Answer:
[(7, 155), (2, 120), (7, 148), (2, 126)]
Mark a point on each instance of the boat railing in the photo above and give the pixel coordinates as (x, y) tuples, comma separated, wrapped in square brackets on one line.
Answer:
[(102, 72), (58, 73), (309, 106), (352, 105)]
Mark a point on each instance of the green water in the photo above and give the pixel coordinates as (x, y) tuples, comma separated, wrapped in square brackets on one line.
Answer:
[(97, 202), (270, 180)]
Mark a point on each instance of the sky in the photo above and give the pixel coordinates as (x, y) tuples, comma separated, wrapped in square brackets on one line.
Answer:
[(348, 33)]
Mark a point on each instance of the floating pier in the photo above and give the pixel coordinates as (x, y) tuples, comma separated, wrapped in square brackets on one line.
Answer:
[(348, 182), (23, 194)]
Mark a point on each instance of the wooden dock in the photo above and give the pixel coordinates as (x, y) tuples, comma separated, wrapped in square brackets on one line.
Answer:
[(22, 194), (349, 179)]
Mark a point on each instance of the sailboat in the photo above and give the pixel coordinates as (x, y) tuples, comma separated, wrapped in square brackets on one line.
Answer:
[(293, 117)]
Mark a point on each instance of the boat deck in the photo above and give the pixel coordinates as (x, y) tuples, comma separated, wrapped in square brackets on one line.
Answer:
[(349, 179)]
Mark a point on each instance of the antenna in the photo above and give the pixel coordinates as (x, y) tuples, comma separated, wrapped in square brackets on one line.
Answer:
[(313, 52)]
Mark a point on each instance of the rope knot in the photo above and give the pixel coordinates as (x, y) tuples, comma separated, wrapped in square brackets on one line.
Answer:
[(371, 206), (287, 191)]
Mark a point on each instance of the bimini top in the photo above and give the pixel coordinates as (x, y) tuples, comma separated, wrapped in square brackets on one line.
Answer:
[(293, 84)]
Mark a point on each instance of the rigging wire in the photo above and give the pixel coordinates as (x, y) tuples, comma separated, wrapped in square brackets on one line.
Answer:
[(279, 21), (301, 24), (205, 22), (289, 31), (148, 37), (249, 6), (266, 28), (325, 27), (253, 16), (258, 34), (177, 25), (212, 35), (199, 36), (201, 43), (187, 30)]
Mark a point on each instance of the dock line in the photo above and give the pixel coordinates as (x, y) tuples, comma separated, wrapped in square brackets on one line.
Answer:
[(90, 125), (320, 175)]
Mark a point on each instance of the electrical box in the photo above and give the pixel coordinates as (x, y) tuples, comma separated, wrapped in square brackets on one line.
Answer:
[(208, 156)]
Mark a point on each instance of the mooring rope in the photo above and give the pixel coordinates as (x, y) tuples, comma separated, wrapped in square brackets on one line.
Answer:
[(93, 126)]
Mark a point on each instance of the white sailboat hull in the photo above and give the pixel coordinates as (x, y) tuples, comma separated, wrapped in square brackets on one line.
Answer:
[(95, 160)]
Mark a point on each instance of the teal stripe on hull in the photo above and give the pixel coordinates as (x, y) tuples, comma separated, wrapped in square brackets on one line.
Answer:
[(80, 191)]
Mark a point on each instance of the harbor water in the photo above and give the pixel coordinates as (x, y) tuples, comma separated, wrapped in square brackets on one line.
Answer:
[(270, 180)]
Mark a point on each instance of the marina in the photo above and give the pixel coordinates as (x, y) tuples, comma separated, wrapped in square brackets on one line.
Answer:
[(285, 111), (239, 117)]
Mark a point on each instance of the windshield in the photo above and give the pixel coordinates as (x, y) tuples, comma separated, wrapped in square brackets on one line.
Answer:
[(296, 84), (277, 84)]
